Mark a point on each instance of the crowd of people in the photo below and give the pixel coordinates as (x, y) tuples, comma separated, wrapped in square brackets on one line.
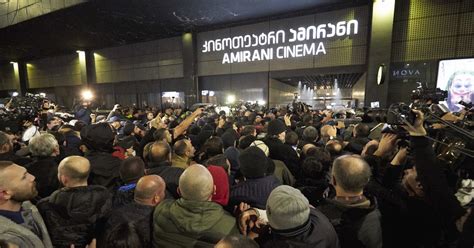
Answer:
[(251, 177)]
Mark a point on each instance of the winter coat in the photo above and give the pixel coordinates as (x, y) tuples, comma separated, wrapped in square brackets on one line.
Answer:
[(313, 189), (141, 215), (83, 114), (124, 195), (23, 236), (285, 153), (45, 169), (316, 233), (184, 223), (253, 191), (422, 222), (104, 170), (283, 174), (10, 156), (357, 224), (73, 215), (170, 175)]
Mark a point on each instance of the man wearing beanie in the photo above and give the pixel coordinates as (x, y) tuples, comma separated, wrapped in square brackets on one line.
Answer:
[(275, 140), (293, 222), (257, 185)]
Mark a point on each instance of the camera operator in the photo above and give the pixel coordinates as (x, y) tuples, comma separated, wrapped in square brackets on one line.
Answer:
[(423, 212), (47, 111)]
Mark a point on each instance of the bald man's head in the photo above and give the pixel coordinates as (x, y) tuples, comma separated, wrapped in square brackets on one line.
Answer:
[(150, 190), (75, 168), (351, 173), (158, 151), (196, 183)]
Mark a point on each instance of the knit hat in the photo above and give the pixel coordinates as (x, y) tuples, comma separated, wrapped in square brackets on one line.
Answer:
[(232, 154), (98, 137), (276, 127), (262, 146), (245, 141), (221, 181), (287, 208), (253, 162), (228, 139)]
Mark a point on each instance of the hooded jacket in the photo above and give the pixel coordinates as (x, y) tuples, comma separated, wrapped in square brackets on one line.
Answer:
[(357, 224), (22, 236), (185, 223), (73, 215)]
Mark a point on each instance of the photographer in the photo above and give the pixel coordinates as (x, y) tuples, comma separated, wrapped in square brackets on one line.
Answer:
[(423, 211)]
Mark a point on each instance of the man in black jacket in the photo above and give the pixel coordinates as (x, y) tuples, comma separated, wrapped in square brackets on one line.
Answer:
[(131, 170), (257, 184), (74, 213), (275, 140), (44, 148), (99, 140), (158, 160), (354, 216), (149, 192), (423, 209)]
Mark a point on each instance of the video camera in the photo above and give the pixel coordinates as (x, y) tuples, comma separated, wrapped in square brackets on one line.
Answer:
[(399, 114), (426, 94), (22, 109)]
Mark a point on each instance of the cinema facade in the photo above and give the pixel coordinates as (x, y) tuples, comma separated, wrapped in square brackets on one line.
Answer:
[(360, 55)]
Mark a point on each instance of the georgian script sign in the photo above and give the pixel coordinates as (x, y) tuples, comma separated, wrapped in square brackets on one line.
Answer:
[(292, 43)]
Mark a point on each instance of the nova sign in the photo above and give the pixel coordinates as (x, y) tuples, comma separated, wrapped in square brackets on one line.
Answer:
[(290, 43)]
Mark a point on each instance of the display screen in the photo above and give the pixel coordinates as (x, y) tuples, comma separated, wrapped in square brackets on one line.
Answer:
[(457, 77)]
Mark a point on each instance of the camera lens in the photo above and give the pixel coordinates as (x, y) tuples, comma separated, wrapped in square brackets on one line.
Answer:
[(405, 108)]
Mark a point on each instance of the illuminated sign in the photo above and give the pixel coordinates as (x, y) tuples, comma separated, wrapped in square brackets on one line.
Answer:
[(254, 47)]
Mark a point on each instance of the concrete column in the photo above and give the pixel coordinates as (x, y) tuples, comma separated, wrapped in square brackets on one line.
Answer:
[(83, 65), (90, 68), (21, 73), (190, 68), (380, 48)]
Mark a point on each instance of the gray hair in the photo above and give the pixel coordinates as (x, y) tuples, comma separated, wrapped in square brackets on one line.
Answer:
[(310, 134), (43, 145), (351, 172), (4, 140)]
